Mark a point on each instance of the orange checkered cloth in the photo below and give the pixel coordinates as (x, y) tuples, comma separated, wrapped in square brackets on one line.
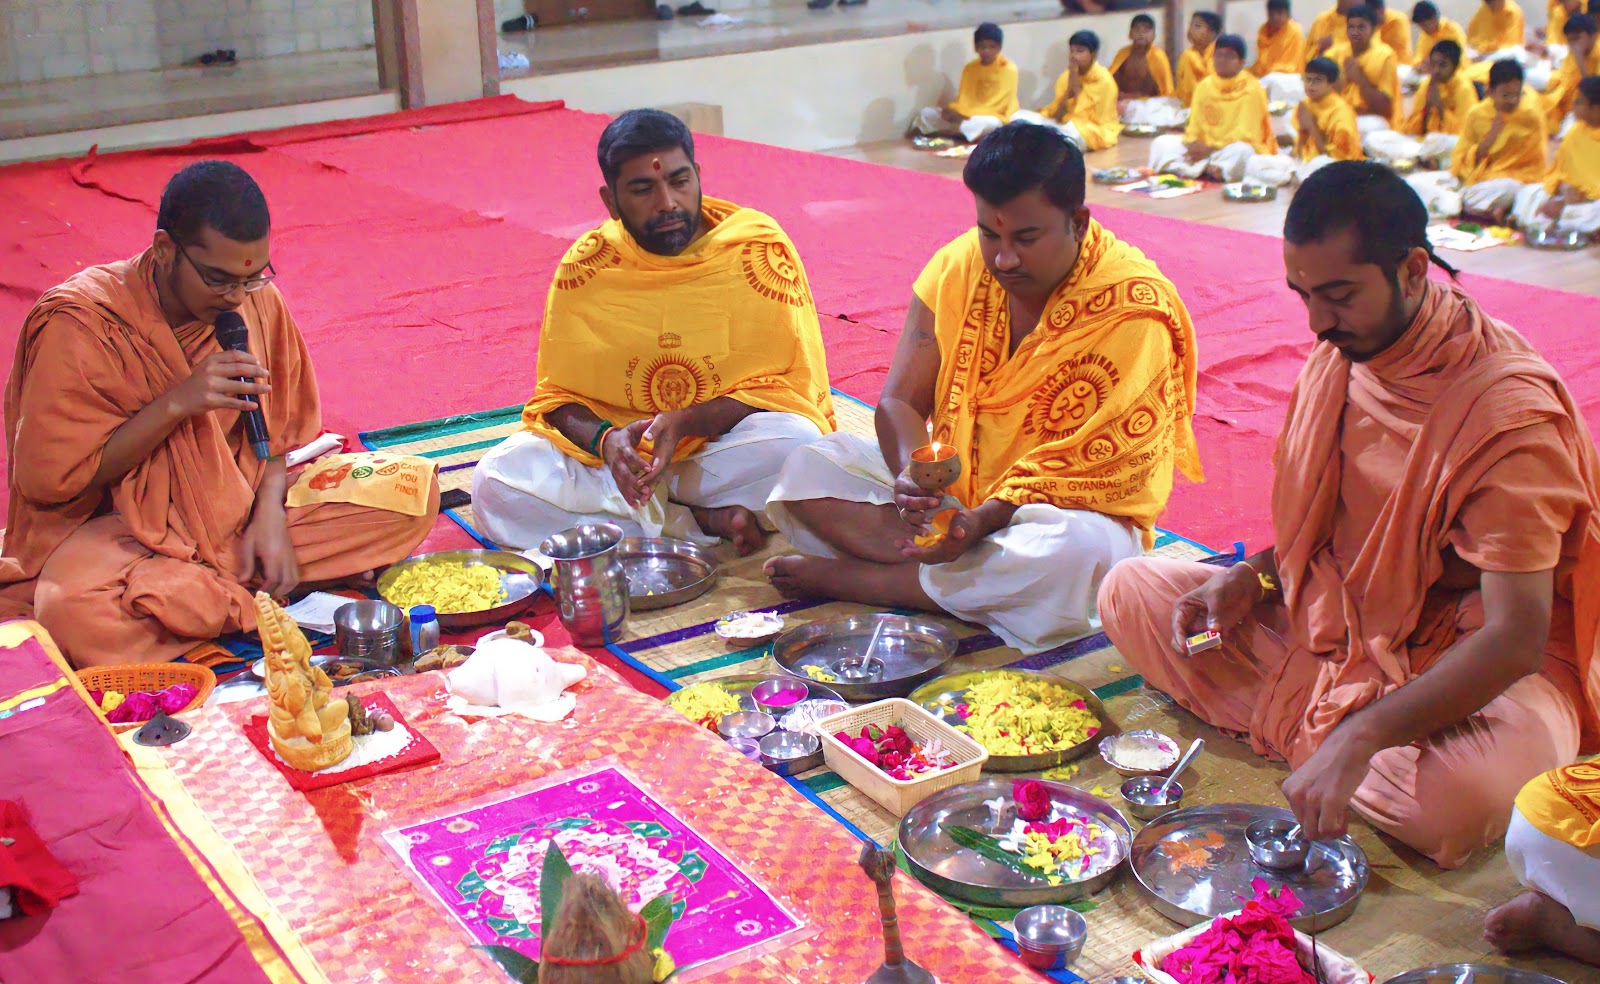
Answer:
[(320, 867)]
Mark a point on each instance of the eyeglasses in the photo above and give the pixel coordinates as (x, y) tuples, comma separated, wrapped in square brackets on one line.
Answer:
[(222, 288)]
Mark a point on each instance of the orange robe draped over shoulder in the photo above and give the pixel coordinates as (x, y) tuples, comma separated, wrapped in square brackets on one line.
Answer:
[(1449, 30), (1156, 61), (1229, 111), (149, 566), (1458, 98), (1193, 68), (1519, 151), (1337, 121), (1093, 110), (1093, 410), (1281, 52)]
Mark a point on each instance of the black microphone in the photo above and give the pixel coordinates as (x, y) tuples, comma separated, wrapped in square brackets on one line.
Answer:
[(235, 337)]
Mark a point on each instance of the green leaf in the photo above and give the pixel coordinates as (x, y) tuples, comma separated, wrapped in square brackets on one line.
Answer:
[(509, 927), (693, 866), (657, 915), (990, 848), (470, 886), (552, 878), (874, 732), (520, 968), (502, 845), (645, 828), (568, 823), (678, 908)]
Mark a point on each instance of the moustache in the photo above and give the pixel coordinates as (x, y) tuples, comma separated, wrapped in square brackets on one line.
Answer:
[(670, 218)]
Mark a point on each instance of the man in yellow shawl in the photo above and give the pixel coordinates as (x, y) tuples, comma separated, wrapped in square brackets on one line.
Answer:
[(986, 96), (1553, 847), (1432, 27), (680, 363), (1280, 43), (1059, 365), (1327, 29), (1583, 58), (1228, 123), (1143, 74), (1394, 29), (1438, 111), (1196, 63), (1325, 125), (1371, 71), (1085, 107), (1569, 197)]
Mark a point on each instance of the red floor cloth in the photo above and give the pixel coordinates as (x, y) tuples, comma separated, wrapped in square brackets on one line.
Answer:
[(417, 260)]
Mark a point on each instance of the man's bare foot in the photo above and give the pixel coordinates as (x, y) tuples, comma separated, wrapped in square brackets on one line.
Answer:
[(796, 575), (849, 579), (1514, 927), (734, 523)]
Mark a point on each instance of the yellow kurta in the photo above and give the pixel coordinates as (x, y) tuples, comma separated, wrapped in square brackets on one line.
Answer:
[(1517, 153), (630, 334), (1555, 29), (1281, 52), (1228, 111), (1328, 24), (1192, 67), (1577, 162), (1160, 67), (1381, 68), (1093, 410), (988, 90), (1337, 121), (1093, 111), (1395, 31), (1449, 30), (1458, 97), (1491, 30), (1563, 87)]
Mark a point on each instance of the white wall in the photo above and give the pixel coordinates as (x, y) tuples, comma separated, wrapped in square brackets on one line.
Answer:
[(51, 39), (810, 97)]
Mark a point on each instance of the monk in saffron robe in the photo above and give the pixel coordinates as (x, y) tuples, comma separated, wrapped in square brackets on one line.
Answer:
[(1371, 71), (1583, 59), (1394, 29), (141, 519), (1501, 146), (1325, 125), (1085, 107), (1553, 846), (1569, 197), (1559, 11), (1432, 27), (1444, 98), (680, 363), (1327, 29), (1421, 640), (1059, 364), (1495, 26), (1143, 74), (1228, 123), (1196, 61), (1280, 43), (986, 96)]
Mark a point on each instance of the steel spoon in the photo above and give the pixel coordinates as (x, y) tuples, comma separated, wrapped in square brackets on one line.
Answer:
[(1194, 749)]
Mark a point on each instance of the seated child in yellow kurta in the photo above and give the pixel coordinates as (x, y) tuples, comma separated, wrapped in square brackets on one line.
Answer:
[(1569, 196), (1327, 29), (1502, 145), (1324, 124), (1371, 71), (986, 96), (1394, 29), (1196, 61), (1558, 12), (1432, 27), (1228, 122), (1583, 58), (1444, 99), (1085, 106), (1280, 43), (1143, 74)]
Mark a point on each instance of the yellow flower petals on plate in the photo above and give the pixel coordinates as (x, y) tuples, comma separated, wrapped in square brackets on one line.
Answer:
[(704, 704), (450, 587), (1011, 714)]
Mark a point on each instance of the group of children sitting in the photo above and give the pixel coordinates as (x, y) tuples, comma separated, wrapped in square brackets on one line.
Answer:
[(1335, 92)]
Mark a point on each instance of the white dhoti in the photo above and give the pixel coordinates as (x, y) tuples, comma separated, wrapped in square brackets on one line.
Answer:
[(1033, 583), (1168, 155), (1490, 197), (1163, 111), (1284, 87), (1371, 123), (1439, 191), (1567, 874), (1272, 170), (1068, 129), (1410, 78), (1438, 148), (1583, 217), (1388, 145), (525, 488), (931, 120)]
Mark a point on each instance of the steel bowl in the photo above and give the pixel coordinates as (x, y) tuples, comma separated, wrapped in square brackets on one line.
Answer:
[(911, 649), (1550, 238), (1111, 744), (1472, 973), (1270, 848), (1117, 175), (520, 578), (663, 572), (1050, 937), (789, 752), (1240, 191), (778, 695), (371, 630), (1143, 801), (748, 747), (746, 724)]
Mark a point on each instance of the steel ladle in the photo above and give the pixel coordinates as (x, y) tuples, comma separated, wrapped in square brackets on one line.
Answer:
[(1195, 748)]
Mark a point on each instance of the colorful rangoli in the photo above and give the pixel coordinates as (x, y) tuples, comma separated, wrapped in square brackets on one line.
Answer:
[(483, 865)]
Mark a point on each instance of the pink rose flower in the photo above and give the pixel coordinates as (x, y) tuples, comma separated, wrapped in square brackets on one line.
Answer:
[(1032, 799)]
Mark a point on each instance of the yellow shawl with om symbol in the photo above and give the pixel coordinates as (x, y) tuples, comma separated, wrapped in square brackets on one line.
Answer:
[(630, 334), (1093, 409), (1565, 804)]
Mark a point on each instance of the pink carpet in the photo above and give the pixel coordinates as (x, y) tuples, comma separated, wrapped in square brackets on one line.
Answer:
[(416, 251)]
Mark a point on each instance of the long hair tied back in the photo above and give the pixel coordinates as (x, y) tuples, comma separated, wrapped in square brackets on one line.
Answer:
[(594, 939), (1387, 215)]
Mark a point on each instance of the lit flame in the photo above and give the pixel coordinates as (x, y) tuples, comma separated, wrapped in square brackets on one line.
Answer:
[(936, 449)]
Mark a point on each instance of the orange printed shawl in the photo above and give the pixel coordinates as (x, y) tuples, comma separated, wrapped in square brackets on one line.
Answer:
[(1093, 409)]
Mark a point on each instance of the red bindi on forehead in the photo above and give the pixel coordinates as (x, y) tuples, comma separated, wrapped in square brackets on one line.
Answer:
[(655, 162), (248, 263), (999, 222)]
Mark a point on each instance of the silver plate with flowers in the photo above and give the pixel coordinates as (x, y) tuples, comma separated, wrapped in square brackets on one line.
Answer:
[(995, 842)]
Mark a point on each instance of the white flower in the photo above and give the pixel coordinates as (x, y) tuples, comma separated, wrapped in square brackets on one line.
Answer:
[(588, 787), (747, 927)]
